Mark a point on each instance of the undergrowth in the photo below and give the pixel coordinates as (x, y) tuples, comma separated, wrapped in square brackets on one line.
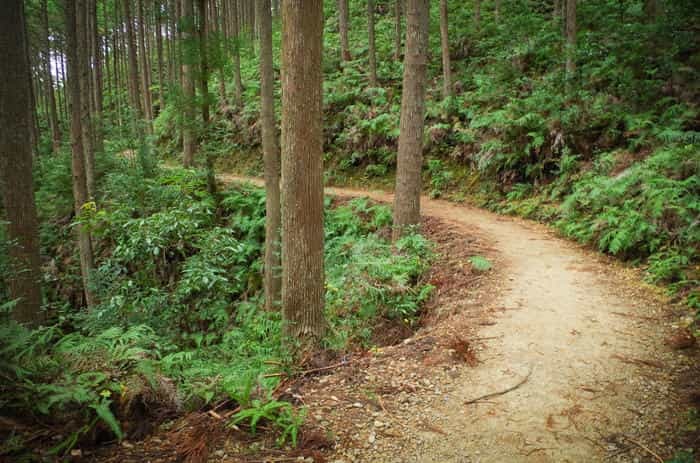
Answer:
[(179, 323)]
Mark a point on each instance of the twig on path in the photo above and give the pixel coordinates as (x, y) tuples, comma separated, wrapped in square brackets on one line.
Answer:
[(635, 361), (504, 391), (645, 448), (640, 317), (326, 368)]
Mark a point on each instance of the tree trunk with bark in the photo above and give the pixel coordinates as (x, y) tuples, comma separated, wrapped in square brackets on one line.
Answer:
[(410, 155), (48, 79), (16, 183), (570, 38), (145, 66), (133, 67), (445, 41), (343, 29), (80, 191), (236, 34), (82, 33), (397, 29), (271, 157), (303, 295), (189, 141), (372, 51)]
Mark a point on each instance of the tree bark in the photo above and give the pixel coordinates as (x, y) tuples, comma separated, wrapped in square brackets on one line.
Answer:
[(397, 29), (204, 60), (133, 66), (570, 38), (82, 33), (343, 29), (97, 78), (188, 132), (16, 183), (497, 10), (410, 155), (303, 294), (145, 84), (80, 192), (48, 79), (271, 157), (372, 46), (236, 34), (159, 50), (445, 41), (477, 14)]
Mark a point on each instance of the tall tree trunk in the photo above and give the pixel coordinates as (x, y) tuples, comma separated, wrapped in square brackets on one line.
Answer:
[(159, 50), (445, 41), (477, 14), (343, 29), (80, 192), (189, 141), (133, 66), (556, 11), (372, 46), (410, 155), (16, 183), (143, 54), (82, 33), (204, 60), (97, 80), (271, 157), (303, 294), (397, 29), (30, 82), (570, 38), (236, 34), (497, 10), (48, 79)]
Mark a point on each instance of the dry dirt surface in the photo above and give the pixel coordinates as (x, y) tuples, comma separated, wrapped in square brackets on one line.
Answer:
[(574, 367)]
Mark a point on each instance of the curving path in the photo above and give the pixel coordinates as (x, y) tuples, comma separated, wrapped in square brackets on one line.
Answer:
[(576, 324)]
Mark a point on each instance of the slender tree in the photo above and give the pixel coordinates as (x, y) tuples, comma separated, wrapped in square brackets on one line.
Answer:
[(80, 191), (343, 29), (445, 41), (82, 31), (189, 141), (302, 170), (48, 78), (372, 49), (477, 14), (570, 38), (410, 155), (236, 35), (203, 59), (147, 103), (133, 67), (271, 157), (16, 183), (397, 29)]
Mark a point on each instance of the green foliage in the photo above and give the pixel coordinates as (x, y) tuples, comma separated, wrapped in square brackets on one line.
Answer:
[(179, 322), (480, 263), (280, 415)]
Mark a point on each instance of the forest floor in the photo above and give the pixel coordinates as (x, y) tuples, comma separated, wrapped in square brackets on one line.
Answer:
[(557, 354)]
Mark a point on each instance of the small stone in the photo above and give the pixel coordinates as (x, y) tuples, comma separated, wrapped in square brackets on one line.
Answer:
[(357, 405), (372, 438)]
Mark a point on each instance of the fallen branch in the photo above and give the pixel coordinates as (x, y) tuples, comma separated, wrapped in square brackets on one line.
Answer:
[(640, 317), (499, 393), (635, 361), (645, 448), (326, 368)]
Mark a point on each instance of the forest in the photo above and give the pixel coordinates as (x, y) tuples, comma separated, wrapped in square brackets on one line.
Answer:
[(350, 231)]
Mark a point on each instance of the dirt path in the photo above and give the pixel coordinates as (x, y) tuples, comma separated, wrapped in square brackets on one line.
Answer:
[(576, 324)]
